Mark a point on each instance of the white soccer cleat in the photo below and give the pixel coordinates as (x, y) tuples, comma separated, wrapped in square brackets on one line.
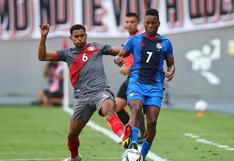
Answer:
[(78, 158)]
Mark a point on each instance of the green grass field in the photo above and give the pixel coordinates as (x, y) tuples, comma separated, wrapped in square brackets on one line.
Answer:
[(29, 133)]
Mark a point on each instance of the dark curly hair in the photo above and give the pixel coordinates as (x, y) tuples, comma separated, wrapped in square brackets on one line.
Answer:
[(152, 12)]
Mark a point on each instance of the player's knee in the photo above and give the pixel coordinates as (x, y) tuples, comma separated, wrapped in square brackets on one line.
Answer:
[(136, 107), (108, 108), (108, 113)]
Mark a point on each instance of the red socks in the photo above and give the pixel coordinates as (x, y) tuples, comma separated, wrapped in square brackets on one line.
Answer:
[(73, 147), (117, 126)]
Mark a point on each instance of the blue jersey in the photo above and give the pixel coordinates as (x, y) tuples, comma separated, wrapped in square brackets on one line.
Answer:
[(147, 76), (149, 55)]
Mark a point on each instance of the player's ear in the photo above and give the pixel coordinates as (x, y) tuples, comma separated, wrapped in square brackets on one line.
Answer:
[(158, 23), (70, 37)]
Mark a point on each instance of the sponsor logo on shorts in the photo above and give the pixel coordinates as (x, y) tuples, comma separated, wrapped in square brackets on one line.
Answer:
[(131, 94), (105, 96)]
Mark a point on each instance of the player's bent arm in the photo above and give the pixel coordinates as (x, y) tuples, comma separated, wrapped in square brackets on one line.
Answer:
[(42, 54), (170, 68)]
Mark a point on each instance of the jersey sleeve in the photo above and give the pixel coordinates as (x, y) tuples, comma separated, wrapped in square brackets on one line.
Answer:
[(129, 45), (169, 51), (61, 54), (106, 49)]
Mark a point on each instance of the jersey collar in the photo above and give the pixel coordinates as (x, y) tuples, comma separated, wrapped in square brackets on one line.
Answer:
[(152, 38)]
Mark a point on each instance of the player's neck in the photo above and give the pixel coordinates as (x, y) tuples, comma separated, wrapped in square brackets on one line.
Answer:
[(151, 35), (83, 47)]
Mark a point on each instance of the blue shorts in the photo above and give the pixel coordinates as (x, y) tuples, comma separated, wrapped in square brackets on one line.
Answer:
[(150, 95)]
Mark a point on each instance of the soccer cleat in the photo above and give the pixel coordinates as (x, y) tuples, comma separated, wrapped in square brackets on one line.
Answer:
[(133, 145), (127, 136), (78, 158)]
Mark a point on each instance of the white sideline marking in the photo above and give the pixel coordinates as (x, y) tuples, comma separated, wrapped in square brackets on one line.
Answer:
[(112, 136), (204, 141), (49, 159), (31, 159)]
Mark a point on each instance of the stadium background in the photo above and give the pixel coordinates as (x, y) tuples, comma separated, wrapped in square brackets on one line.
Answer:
[(191, 25)]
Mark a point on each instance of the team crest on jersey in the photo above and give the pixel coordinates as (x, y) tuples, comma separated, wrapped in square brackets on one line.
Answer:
[(159, 45), (91, 48)]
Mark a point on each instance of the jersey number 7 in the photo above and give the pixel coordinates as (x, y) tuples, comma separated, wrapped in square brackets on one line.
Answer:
[(149, 56)]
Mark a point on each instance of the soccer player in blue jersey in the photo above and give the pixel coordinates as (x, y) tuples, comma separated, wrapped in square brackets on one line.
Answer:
[(146, 82)]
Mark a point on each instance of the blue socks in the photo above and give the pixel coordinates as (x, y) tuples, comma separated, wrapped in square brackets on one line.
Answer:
[(135, 131), (145, 148), (145, 145)]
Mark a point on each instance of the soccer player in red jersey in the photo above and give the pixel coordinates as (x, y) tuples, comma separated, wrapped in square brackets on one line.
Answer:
[(91, 91)]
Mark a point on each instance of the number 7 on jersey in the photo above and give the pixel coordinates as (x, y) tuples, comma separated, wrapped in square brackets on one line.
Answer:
[(149, 56)]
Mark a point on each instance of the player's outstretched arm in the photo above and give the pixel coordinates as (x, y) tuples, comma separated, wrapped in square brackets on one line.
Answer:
[(170, 68), (114, 51), (119, 59), (42, 54)]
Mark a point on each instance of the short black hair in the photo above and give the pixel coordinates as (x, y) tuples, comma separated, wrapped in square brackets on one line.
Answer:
[(132, 14), (152, 12), (77, 27)]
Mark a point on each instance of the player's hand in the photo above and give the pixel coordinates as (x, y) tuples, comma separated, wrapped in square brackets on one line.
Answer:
[(44, 29), (170, 73), (119, 60)]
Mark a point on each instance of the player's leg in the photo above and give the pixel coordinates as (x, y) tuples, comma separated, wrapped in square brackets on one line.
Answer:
[(81, 115), (120, 104), (106, 107), (134, 121), (152, 109), (135, 101), (141, 128), (76, 126), (107, 110), (121, 112), (121, 101), (152, 116)]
